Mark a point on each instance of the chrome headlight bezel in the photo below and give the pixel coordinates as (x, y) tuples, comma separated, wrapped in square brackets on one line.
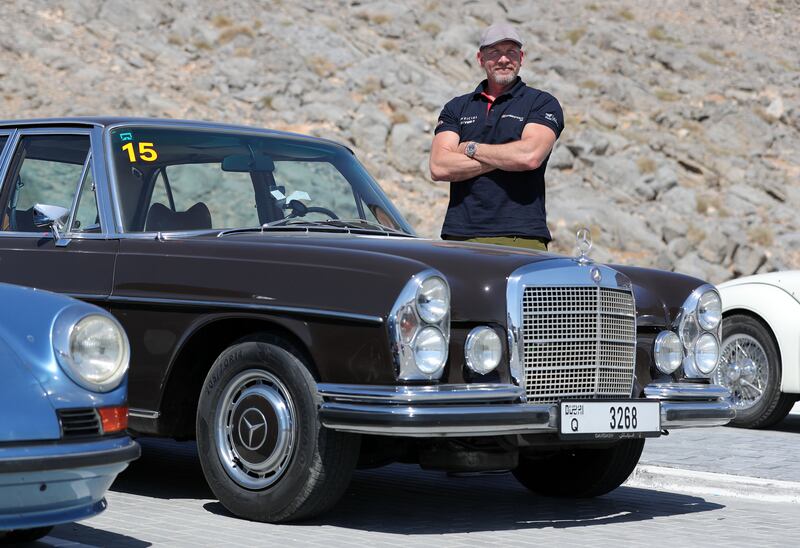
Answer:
[(478, 336), (709, 310), (406, 322), (66, 328), (691, 329), (664, 340)]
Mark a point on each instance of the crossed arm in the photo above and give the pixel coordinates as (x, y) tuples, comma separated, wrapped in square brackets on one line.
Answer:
[(449, 163)]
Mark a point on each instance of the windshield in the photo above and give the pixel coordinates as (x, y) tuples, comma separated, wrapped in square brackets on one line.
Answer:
[(179, 179)]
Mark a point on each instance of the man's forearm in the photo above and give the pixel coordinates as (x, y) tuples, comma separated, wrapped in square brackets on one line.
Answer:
[(513, 156), (455, 167)]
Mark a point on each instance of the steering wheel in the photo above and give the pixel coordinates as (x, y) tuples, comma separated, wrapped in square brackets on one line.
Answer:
[(299, 209)]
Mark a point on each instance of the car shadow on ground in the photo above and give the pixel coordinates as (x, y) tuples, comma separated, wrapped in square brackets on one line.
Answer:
[(86, 536), (790, 424), (404, 499)]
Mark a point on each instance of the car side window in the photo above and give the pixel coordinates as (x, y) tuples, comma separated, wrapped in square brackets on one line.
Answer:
[(3, 139), (45, 170), (86, 218)]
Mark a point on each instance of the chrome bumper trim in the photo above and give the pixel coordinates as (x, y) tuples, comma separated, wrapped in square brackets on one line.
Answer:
[(686, 405), (443, 421), (491, 409), (443, 393), (696, 414), (683, 391)]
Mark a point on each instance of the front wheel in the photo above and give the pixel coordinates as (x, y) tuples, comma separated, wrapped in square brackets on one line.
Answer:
[(750, 365), (262, 448), (579, 473)]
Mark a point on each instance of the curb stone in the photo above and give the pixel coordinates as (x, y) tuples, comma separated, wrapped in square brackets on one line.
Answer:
[(647, 476)]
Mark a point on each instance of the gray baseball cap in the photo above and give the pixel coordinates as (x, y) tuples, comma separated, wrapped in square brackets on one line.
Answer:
[(499, 32)]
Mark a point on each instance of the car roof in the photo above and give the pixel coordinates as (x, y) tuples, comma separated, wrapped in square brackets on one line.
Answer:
[(106, 121)]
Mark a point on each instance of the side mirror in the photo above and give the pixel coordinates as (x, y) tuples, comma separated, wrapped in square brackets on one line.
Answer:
[(52, 217)]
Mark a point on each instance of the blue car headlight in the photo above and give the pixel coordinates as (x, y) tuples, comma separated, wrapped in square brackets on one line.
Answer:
[(91, 348)]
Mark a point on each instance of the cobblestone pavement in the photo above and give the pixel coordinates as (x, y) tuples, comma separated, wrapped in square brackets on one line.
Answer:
[(769, 454), (163, 500)]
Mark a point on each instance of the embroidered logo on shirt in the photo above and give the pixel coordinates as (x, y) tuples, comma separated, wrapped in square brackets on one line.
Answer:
[(552, 117), (515, 117), (466, 120), (439, 123)]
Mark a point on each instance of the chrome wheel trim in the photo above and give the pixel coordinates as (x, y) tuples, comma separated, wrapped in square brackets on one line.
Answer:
[(274, 402), (744, 369)]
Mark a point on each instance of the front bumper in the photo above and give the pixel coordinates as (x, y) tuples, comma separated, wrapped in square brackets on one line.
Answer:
[(50, 483), (492, 409)]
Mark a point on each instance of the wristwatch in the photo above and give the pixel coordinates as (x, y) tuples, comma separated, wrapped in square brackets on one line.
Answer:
[(471, 149)]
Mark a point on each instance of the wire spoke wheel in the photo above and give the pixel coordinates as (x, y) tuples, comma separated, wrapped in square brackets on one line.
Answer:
[(743, 369)]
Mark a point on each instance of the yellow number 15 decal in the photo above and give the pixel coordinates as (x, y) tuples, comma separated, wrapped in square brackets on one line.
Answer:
[(146, 152)]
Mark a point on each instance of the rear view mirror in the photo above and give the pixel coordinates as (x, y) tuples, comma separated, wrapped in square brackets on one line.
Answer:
[(246, 163)]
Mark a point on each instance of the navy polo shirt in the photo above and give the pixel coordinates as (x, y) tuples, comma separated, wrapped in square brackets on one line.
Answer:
[(499, 203)]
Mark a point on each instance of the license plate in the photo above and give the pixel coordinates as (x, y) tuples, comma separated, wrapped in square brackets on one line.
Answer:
[(609, 419)]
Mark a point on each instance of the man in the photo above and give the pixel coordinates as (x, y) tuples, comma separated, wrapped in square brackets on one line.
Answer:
[(493, 145)]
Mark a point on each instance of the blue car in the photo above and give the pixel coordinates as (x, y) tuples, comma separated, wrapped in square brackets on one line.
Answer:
[(63, 410)]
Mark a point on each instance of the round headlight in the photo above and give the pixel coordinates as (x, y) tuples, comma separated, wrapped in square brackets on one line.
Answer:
[(483, 349), (430, 350), (433, 300), (709, 310), (668, 352), (706, 353), (96, 352)]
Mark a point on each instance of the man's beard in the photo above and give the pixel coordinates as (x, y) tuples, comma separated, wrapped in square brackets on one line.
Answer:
[(504, 79)]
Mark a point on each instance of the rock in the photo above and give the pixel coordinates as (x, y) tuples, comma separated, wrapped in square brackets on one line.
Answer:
[(747, 260), (402, 139), (588, 142), (561, 158)]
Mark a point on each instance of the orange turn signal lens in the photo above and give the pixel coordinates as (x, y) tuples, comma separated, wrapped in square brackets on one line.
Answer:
[(114, 418)]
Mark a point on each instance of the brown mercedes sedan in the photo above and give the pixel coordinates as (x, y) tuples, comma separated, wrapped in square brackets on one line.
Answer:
[(283, 313)]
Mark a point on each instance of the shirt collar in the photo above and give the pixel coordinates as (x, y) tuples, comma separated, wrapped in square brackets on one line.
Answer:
[(512, 91)]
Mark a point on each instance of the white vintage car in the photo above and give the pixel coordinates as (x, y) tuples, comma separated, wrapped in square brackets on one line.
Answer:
[(760, 356)]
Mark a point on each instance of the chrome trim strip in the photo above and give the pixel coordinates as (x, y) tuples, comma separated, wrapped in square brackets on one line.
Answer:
[(250, 306), (479, 420), (442, 393), (678, 391), (696, 414), (143, 413), (5, 156)]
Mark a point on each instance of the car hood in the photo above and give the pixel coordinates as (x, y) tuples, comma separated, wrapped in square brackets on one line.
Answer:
[(788, 281), (477, 273)]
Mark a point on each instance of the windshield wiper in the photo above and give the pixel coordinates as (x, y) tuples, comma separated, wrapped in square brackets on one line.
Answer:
[(364, 223), (298, 222)]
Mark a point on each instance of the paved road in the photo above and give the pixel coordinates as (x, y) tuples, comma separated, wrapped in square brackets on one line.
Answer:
[(769, 454), (163, 500)]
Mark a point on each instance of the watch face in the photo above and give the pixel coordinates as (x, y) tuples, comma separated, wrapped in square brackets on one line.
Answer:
[(470, 150)]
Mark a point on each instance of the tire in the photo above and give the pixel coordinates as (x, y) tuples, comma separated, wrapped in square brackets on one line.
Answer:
[(750, 366), (23, 535), (580, 473), (262, 448)]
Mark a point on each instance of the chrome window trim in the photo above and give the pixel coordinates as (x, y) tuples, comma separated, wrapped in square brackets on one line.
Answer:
[(5, 160), (351, 316), (110, 174), (557, 272)]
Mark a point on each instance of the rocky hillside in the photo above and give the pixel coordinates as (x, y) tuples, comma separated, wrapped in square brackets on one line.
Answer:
[(682, 145)]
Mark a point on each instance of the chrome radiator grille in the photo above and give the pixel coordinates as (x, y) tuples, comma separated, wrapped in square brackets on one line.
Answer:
[(578, 342)]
